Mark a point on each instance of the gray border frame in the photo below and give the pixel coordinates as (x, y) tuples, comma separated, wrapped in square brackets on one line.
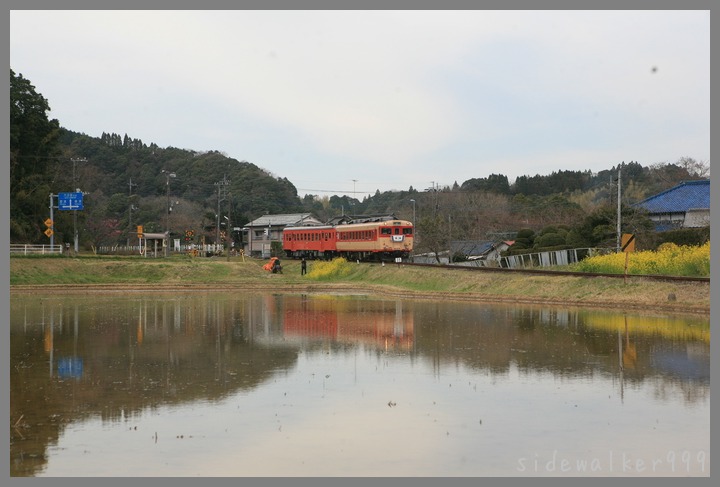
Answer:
[(322, 4)]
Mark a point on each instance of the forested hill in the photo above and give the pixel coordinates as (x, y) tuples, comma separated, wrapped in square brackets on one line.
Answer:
[(118, 167), (129, 182)]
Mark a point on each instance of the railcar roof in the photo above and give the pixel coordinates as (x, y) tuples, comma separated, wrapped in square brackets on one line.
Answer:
[(350, 226), (388, 223), (311, 227)]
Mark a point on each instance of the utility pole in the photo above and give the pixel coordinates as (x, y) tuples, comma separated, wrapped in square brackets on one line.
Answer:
[(75, 231), (168, 175), (229, 224), (414, 222), (619, 190), (130, 209), (435, 196), (221, 195)]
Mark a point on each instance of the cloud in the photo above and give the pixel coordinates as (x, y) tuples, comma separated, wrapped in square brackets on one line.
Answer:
[(357, 94)]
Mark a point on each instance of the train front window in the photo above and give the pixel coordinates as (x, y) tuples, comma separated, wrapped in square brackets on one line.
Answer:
[(407, 231)]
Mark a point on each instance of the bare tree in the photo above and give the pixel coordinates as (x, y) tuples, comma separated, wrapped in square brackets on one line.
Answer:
[(434, 234), (695, 168)]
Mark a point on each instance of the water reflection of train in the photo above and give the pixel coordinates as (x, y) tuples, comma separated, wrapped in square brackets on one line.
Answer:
[(363, 240), (382, 324)]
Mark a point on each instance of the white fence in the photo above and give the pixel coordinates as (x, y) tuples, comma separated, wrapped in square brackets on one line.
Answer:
[(551, 258), (30, 249), (538, 259), (149, 250)]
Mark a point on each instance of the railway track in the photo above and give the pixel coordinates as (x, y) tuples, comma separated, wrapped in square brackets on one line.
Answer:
[(546, 272)]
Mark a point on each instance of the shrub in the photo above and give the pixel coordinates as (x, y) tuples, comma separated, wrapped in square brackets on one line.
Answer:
[(575, 240), (547, 230), (549, 240), (685, 236), (525, 233)]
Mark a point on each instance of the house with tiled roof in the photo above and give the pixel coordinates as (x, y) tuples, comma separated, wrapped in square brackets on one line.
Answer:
[(259, 234), (686, 205)]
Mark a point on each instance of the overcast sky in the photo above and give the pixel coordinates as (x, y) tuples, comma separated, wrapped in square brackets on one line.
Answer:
[(343, 101)]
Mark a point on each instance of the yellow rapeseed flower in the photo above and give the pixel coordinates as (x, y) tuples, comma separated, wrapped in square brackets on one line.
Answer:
[(668, 259), (326, 269)]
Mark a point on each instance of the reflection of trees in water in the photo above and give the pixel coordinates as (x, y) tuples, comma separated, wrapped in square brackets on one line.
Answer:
[(143, 352), (689, 363), (691, 391), (564, 343)]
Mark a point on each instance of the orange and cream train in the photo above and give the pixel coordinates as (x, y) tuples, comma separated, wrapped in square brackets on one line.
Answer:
[(378, 240)]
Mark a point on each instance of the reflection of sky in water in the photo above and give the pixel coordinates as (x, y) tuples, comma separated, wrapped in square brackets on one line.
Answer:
[(384, 416), (469, 391)]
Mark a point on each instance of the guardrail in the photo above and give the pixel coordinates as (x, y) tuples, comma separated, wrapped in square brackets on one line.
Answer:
[(33, 249)]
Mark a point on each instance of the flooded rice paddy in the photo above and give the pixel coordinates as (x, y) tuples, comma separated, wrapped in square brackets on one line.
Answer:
[(235, 385)]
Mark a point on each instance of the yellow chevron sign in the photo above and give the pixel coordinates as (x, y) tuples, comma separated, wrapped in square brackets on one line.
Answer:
[(628, 242)]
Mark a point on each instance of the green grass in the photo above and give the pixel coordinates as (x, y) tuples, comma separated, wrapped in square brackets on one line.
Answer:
[(122, 270), (373, 278)]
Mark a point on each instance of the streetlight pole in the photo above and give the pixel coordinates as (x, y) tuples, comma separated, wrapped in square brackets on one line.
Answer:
[(168, 175)]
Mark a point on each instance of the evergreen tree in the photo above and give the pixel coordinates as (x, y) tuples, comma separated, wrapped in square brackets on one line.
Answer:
[(33, 152)]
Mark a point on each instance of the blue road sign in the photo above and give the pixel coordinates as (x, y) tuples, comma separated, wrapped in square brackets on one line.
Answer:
[(70, 367), (70, 201)]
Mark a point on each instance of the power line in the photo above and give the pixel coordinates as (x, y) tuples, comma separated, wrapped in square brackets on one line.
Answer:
[(326, 190)]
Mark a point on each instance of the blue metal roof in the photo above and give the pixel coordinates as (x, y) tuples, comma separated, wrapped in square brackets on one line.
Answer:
[(471, 247), (684, 196)]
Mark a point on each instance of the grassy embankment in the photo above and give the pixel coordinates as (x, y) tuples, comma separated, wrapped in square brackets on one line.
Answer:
[(86, 274)]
